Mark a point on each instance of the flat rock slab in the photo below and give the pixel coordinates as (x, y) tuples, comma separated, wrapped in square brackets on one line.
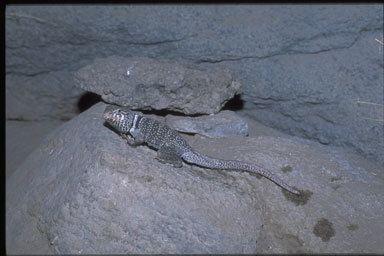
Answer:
[(225, 123), (84, 190), (146, 83)]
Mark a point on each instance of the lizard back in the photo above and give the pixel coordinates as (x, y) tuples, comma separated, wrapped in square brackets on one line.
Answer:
[(157, 135)]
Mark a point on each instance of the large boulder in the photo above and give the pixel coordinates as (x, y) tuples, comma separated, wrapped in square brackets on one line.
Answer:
[(84, 190)]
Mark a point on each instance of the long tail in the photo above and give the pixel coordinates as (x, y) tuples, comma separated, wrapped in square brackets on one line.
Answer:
[(213, 163)]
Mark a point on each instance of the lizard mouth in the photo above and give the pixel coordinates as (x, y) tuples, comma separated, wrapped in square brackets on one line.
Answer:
[(107, 116)]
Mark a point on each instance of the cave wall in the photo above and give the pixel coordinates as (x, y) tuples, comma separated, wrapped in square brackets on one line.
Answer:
[(315, 71)]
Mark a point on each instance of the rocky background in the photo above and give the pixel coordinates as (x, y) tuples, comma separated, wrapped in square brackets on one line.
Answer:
[(312, 71)]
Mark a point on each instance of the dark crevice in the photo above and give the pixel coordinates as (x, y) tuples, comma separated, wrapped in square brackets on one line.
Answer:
[(158, 112), (287, 50), (161, 42), (234, 104), (19, 119), (164, 112), (87, 100), (16, 73)]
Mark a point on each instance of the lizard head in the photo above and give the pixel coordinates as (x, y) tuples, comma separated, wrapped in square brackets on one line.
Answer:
[(119, 118)]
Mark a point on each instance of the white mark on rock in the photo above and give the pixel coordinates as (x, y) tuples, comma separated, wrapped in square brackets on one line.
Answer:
[(54, 239), (129, 70)]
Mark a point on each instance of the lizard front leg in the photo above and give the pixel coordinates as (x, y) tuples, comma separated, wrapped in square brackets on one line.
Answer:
[(133, 141)]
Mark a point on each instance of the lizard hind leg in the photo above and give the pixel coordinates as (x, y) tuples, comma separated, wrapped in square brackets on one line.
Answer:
[(167, 154)]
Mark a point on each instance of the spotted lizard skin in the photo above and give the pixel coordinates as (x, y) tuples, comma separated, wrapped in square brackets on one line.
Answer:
[(171, 147)]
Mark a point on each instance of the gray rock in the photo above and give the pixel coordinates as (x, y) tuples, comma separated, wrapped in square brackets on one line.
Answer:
[(222, 124), (305, 72), (22, 137), (142, 83), (84, 190), (89, 192), (47, 96), (334, 97)]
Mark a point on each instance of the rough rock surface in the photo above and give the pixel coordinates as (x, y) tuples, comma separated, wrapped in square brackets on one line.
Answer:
[(310, 70), (46, 96), (21, 138), (223, 124), (95, 194), (84, 190), (145, 83), (332, 96)]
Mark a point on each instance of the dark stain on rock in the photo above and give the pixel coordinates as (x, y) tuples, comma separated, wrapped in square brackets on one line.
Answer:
[(335, 187), (336, 178), (149, 179), (286, 168), (301, 199), (146, 178), (324, 229), (292, 242), (352, 227)]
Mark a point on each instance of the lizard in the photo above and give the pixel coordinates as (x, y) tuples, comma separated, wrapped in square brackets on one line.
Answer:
[(171, 147)]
